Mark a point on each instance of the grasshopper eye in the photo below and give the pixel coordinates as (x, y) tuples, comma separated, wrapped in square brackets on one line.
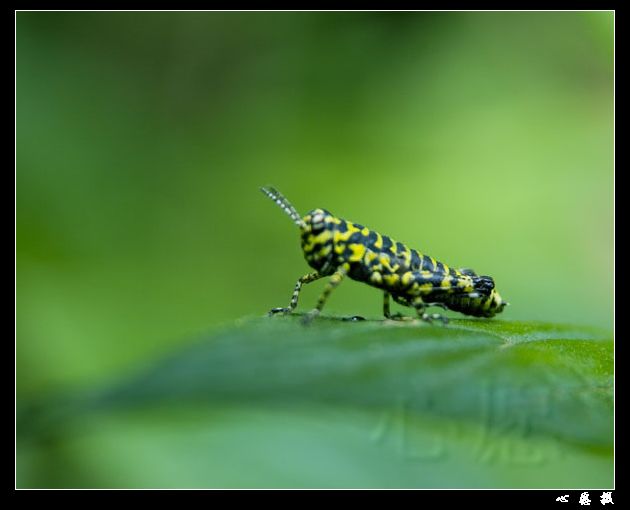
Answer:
[(318, 218)]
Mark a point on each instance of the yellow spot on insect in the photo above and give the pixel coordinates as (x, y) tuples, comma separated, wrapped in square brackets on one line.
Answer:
[(426, 274), (406, 278), (325, 251), (379, 241), (425, 288), (417, 301), (376, 277), (321, 238), (391, 279), (446, 283), (370, 256), (341, 236), (307, 245), (386, 262), (365, 232), (358, 250), (465, 282), (352, 228), (340, 248), (326, 235)]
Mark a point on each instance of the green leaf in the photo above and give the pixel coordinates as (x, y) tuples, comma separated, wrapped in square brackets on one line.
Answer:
[(269, 402)]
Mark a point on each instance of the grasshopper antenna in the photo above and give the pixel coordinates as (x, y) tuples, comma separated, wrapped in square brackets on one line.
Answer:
[(284, 204)]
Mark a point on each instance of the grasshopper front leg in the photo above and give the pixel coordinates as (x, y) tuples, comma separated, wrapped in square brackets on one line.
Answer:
[(307, 278)]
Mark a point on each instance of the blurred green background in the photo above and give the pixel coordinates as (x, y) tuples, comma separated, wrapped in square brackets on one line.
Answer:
[(483, 139)]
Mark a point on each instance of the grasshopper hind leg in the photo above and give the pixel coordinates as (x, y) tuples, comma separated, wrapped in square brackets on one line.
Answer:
[(421, 307), (386, 308), (401, 301)]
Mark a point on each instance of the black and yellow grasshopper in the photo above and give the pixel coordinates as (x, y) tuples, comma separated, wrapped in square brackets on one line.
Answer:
[(337, 248)]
